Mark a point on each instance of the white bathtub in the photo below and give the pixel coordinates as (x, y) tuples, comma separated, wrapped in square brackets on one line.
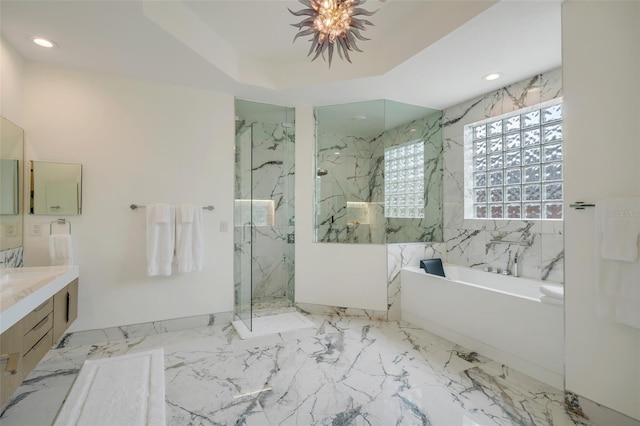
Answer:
[(495, 315)]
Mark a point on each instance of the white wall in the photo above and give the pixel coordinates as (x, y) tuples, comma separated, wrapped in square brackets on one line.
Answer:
[(11, 83), (138, 142), (345, 275), (601, 65)]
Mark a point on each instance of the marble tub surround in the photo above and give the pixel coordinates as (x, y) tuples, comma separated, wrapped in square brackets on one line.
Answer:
[(12, 258), (346, 370), (468, 240), (399, 256), (90, 337)]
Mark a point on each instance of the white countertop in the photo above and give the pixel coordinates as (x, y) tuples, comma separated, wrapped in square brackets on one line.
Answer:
[(24, 289)]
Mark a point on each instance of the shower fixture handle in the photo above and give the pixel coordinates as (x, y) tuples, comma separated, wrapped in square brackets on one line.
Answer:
[(244, 231)]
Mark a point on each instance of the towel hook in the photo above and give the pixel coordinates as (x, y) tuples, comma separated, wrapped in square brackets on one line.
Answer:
[(580, 205), (59, 222)]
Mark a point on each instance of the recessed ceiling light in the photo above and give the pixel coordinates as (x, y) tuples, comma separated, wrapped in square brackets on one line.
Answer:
[(359, 117), (43, 42), (492, 76)]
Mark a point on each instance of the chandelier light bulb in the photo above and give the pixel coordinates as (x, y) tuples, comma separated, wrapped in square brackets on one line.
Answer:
[(332, 25)]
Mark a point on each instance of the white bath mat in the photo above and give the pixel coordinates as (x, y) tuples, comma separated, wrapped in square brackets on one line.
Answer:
[(123, 390), (273, 324)]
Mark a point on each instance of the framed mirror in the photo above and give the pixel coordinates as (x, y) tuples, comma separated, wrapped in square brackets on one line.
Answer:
[(11, 185), (56, 188)]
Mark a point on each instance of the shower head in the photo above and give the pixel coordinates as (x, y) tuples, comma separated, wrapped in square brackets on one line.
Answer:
[(322, 172), (239, 124)]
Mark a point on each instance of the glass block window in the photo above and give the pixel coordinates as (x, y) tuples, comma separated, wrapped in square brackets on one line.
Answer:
[(517, 164), (404, 180)]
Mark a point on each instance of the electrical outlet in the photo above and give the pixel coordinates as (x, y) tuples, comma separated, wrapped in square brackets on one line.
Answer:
[(36, 229), (224, 226), (10, 230)]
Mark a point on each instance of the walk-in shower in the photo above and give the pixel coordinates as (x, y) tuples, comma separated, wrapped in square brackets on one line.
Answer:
[(264, 208)]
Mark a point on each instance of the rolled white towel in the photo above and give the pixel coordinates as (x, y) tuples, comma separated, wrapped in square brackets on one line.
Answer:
[(551, 300), (554, 291)]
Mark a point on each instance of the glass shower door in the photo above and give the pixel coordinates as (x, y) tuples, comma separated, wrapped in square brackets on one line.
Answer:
[(243, 224)]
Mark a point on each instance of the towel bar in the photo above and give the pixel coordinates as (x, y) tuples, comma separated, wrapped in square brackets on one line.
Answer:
[(59, 222), (137, 206), (580, 205)]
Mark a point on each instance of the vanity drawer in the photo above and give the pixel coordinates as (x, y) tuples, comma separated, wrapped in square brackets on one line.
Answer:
[(39, 350), (36, 333), (38, 314)]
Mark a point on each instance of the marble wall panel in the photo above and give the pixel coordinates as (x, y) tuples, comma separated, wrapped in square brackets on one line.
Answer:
[(271, 187), (468, 240), (355, 174), (12, 258)]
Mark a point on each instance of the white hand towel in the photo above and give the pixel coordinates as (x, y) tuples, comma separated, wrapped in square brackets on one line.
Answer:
[(552, 290), (618, 281), (620, 227), (60, 249), (189, 238), (160, 238)]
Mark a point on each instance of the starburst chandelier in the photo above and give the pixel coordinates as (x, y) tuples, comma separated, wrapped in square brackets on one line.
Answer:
[(334, 25)]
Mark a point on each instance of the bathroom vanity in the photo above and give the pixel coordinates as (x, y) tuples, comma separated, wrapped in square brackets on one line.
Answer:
[(37, 305)]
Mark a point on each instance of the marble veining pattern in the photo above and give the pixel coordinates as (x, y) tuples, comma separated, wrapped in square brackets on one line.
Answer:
[(467, 240), (272, 178), (350, 206), (12, 258), (143, 329), (346, 370), (399, 256)]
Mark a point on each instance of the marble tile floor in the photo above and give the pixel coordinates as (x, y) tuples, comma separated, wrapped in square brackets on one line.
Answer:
[(345, 371)]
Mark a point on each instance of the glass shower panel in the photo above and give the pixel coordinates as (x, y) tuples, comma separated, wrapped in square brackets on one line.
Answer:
[(243, 224), (379, 173), (273, 212), (265, 199)]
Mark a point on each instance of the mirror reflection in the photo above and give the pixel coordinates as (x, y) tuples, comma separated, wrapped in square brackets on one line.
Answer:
[(11, 172), (56, 188), (379, 173)]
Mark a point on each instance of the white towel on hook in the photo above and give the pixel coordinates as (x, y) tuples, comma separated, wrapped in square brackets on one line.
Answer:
[(60, 249), (620, 228), (160, 238), (189, 238), (618, 277)]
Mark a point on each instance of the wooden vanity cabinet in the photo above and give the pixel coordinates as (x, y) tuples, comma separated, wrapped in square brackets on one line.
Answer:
[(24, 344), (65, 309), (11, 371)]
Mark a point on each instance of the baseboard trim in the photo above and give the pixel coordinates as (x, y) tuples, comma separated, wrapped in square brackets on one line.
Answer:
[(593, 412), (87, 337)]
